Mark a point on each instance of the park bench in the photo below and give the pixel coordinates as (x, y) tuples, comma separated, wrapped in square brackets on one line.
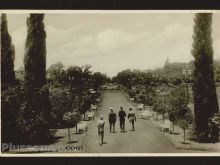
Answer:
[(140, 110), (160, 117), (140, 106), (91, 115), (140, 115), (154, 114), (98, 99), (165, 126), (159, 125), (156, 124), (146, 114), (82, 126), (92, 92), (93, 107)]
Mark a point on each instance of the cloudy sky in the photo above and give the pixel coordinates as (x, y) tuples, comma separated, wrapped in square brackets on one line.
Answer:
[(111, 42)]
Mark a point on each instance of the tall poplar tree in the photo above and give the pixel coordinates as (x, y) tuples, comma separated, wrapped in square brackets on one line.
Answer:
[(205, 98), (7, 55), (36, 111)]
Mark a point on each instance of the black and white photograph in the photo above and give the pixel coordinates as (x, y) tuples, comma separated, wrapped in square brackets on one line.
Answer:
[(110, 82)]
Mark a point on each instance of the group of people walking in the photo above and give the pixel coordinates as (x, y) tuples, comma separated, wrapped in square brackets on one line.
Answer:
[(112, 120)]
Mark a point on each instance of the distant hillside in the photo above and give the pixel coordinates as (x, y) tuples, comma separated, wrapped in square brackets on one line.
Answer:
[(175, 70)]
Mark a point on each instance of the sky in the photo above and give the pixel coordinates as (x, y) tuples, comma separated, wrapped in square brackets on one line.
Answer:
[(112, 42)]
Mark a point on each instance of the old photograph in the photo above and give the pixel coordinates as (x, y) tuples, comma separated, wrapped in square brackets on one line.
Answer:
[(110, 82)]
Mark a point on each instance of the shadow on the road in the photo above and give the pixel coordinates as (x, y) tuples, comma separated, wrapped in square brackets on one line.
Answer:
[(185, 143), (123, 131), (104, 143), (78, 133), (71, 142), (56, 139), (175, 133)]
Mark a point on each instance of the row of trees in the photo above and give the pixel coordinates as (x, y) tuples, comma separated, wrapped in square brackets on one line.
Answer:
[(26, 107), (7, 55), (206, 107), (43, 99), (33, 114), (70, 90), (11, 97), (76, 76)]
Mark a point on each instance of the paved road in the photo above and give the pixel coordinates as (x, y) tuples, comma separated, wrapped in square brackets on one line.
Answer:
[(145, 138)]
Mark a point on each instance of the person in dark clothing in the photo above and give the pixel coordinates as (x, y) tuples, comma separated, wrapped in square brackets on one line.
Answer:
[(131, 117), (122, 116), (112, 119)]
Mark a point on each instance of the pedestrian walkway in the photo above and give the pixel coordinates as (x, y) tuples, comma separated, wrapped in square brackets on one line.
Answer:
[(145, 138)]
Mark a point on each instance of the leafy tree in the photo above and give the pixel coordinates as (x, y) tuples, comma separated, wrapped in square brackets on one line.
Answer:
[(11, 100), (74, 74), (124, 77), (205, 99), (150, 95), (61, 102), (7, 55), (71, 118), (159, 105), (56, 73), (184, 124), (55, 67), (86, 105), (35, 114), (87, 73), (178, 106), (131, 93), (98, 79), (114, 80)]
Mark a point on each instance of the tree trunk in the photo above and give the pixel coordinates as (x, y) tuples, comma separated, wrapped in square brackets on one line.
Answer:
[(173, 128), (76, 128), (69, 134), (184, 136)]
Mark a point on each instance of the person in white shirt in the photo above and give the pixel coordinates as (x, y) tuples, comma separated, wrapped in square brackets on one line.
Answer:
[(101, 124), (131, 117)]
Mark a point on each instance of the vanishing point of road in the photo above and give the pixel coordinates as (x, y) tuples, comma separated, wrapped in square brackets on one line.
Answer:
[(145, 139)]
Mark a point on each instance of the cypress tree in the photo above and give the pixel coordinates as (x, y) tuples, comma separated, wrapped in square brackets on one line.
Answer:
[(205, 98), (35, 52), (7, 55), (36, 111)]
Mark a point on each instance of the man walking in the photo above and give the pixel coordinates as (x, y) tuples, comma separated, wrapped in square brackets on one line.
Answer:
[(101, 124), (112, 119), (122, 116), (131, 117)]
